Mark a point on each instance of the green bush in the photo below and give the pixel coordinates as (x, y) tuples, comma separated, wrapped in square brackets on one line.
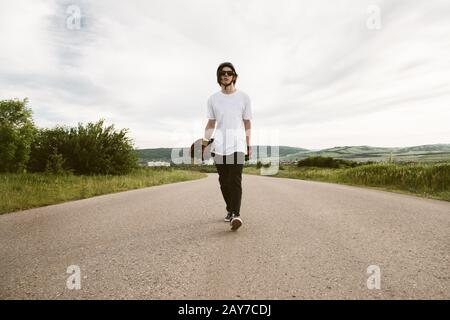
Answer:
[(17, 131), (326, 162), (259, 164), (47, 142), (55, 164), (90, 149)]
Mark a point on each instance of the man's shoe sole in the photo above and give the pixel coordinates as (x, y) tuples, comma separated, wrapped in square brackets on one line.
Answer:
[(236, 223)]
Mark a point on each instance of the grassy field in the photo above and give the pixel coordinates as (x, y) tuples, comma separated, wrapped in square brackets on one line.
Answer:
[(422, 179), (24, 191)]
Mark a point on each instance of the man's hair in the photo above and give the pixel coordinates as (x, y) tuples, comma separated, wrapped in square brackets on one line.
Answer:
[(223, 65)]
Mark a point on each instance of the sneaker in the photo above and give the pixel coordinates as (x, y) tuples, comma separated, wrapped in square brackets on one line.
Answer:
[(236, 222), (228, 217)]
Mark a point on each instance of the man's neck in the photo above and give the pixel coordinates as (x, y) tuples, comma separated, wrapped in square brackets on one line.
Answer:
[(229, 89)]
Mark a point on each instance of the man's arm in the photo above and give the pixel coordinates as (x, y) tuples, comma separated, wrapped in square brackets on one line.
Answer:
[(209, 129), (248, 131)]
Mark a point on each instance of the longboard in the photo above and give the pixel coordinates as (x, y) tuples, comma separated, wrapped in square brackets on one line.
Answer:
[(199, 152)]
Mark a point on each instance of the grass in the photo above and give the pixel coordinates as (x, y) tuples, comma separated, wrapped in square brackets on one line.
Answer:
[(197, 167), (29, 190), (422, 179)]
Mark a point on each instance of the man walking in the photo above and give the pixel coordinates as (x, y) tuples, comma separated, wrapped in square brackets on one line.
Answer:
[(230, 108)]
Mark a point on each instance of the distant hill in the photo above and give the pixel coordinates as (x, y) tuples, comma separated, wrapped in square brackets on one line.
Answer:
[(156, 154), (164, 154), (427, 148), (430, 152), (282, 150)]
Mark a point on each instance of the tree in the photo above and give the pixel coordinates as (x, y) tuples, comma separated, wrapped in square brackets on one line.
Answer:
[(17, 132)]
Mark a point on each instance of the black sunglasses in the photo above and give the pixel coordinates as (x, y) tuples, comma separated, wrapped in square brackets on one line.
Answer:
[(228, 73)]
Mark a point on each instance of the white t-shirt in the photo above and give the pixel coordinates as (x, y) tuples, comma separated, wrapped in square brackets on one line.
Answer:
[(229, 110)]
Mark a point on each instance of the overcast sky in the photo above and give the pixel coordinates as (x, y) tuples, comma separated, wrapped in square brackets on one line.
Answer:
[(319, 73)]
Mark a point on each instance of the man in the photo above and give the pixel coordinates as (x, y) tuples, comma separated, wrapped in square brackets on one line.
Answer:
[(230, 108)]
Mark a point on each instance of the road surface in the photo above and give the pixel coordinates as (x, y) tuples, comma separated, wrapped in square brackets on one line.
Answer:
[(300, 240)]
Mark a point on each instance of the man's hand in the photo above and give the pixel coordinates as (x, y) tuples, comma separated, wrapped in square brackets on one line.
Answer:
[(205, 142), (249, 153)]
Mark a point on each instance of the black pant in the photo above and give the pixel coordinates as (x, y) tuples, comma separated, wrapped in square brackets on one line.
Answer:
[(229, 167)]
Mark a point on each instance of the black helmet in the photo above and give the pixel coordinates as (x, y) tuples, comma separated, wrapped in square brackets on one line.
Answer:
[(223, 65)]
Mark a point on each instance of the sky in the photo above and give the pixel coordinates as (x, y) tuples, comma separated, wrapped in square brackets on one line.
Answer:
[(319, 73)]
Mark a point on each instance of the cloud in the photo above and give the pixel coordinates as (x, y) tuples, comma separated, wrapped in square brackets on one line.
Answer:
[(150, 66)]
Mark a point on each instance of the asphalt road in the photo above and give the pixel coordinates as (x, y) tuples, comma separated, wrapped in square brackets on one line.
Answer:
[(299, 240)]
